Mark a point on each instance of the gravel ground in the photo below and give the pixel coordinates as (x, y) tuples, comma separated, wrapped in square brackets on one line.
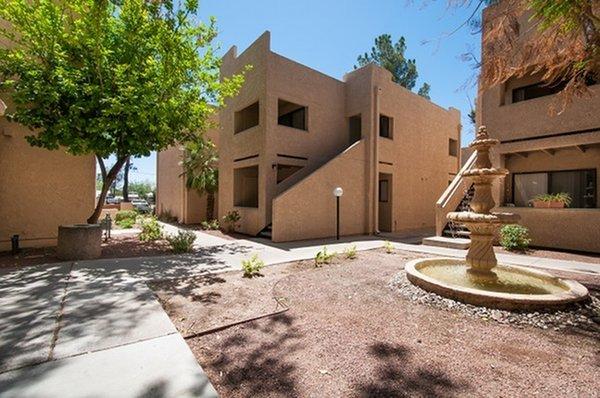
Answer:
[(350, 333)]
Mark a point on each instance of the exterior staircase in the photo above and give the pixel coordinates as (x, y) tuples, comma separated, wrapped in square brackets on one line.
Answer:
[(266, 232), (454, 229)]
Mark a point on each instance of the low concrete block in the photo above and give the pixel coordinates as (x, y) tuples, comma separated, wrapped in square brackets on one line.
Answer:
[(79, 242)]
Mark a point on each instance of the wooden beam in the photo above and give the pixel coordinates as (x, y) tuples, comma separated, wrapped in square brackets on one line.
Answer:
[(522, 154), (581, 148), (549, 151)]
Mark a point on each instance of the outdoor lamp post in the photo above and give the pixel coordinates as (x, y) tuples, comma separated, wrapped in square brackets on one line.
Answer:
[(337, 192)]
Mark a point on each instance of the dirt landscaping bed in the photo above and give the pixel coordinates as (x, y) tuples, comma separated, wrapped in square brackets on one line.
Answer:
[(556, 255), (348, 333), (119, 246)]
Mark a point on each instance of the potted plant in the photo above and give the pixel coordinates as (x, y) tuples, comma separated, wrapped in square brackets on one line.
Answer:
[(552, 200)]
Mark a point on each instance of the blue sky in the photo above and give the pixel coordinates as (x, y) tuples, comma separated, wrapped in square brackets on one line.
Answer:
[(328, 35)]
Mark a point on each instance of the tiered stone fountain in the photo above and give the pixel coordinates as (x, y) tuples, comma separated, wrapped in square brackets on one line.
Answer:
[(479, 279)]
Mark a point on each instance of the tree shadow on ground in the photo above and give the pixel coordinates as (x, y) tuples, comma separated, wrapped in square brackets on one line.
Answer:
[(186, 287), (266, 366), (396, 375)]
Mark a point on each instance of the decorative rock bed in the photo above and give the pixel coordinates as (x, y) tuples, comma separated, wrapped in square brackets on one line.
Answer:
[(584, 314)]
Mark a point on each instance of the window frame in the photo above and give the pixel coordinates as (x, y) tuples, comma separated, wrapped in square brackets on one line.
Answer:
[(549, 179), (390, 135)]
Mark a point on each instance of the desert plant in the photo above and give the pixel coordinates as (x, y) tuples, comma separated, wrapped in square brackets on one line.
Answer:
[(389, 248), (151, 229), (514, 237), (252, 266), (562, 197), (324, 257), (210, 225), (167, 216), (125, 214), (230, 220), (350, 252), (183, 242), (126, 223)]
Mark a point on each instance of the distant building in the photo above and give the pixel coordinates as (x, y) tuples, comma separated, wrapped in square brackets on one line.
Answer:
[(544, 154), (293, 134)]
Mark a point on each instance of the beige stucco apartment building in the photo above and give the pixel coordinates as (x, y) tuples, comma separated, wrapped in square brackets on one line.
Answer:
[(544, 154), (293, 134)]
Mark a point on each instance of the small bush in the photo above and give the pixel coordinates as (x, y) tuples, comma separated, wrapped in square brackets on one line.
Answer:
[(389, 248), (252, 266), (324, 257), (126, 223), (151, 229), (183, 242), (231, 219), (125, 215), (350, 252), (167, 216), (514, 237), (210, 225)]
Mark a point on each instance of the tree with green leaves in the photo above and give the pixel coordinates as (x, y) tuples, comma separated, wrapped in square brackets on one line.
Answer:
[(121, 78), (201, 171), (391, 57)]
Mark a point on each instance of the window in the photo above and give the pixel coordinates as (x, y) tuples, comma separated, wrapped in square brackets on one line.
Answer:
[(245, 187), (385, 126), (355, 129), (384, 192), (580, 184), (246, 118), (543, 89), (291, 115), (453, 147), (284, 171)]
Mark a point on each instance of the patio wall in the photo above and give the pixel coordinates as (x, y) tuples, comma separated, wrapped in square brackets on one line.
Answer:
[(571, 229)]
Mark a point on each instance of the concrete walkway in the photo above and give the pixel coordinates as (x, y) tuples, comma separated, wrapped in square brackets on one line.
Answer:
[(95, 329)]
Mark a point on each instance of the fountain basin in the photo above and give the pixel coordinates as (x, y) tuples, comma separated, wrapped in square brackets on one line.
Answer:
[(510, 288)]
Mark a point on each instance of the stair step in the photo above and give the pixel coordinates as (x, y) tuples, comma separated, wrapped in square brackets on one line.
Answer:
[(461, 232), (443, 241)]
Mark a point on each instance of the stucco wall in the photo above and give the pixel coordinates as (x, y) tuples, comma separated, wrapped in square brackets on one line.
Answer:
[(40, 189), (169, 183), (308, 209)]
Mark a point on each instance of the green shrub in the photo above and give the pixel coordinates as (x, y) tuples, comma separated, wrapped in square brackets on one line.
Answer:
[(151, 229), (125, 215), (324, 257), (126, 223), (183, 242), (230, 220), (210, 225), (350, 252), (514, 237), (252, 266), (389, 248)]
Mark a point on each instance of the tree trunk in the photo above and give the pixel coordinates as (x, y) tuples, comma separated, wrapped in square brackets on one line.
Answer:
[(107, 180), (210, 206), (126, 179)]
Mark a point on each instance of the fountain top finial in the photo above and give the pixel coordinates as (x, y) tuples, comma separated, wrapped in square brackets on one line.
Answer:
[(482, 133), (483, 140)]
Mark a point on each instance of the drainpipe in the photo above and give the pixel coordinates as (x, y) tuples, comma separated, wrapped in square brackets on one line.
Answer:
[(376, 163), (375, 157)]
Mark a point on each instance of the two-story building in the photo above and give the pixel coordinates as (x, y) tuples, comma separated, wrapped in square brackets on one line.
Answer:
[(293, 134), (544, 153)]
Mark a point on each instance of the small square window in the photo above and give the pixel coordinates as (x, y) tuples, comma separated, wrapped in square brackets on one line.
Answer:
[(453, 147), (246, 118), (386, 126)]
